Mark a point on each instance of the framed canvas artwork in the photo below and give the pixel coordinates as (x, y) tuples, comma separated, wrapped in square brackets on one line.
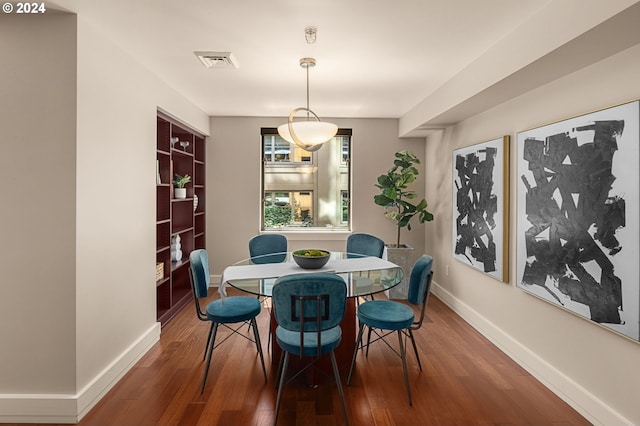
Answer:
[(578, 216), (481, 207)]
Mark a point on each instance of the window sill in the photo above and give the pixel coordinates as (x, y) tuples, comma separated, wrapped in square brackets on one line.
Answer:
[(320, 234)]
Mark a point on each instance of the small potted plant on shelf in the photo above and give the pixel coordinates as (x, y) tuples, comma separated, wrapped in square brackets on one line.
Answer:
[(397, 200), (179, 183)]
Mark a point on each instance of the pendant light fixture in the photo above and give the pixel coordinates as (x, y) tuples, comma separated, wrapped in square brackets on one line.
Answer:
[(312, 133)]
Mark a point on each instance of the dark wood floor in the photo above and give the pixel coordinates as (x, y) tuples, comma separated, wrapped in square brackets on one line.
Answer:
[(465, 381)]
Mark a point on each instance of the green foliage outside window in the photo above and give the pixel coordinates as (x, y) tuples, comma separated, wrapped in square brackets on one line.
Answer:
[(275, 215)]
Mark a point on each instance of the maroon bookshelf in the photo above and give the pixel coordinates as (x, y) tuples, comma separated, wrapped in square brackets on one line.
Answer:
[(177, 217)]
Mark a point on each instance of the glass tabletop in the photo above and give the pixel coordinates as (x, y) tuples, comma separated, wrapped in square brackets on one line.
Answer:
[(363, 275)]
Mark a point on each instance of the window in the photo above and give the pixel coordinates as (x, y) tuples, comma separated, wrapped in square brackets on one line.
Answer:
[(290, 208), (303, 189), (277, 150), (344, 195), (346, 151)]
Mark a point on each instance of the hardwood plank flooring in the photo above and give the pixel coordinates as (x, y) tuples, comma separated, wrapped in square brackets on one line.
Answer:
[(465, 380)]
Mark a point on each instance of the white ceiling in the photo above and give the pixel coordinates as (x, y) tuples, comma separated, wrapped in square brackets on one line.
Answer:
[(376, 58)]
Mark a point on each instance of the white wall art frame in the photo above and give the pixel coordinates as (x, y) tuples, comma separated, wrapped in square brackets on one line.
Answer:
[(578, 216), (480, 230)]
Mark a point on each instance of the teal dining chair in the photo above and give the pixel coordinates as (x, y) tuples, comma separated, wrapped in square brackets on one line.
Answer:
[(263, 245), (384, 317), (308, 309), (233, 310), (268, 248), (365, 244)]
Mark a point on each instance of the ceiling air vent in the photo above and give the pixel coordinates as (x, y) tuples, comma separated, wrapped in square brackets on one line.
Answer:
[(217, 59)]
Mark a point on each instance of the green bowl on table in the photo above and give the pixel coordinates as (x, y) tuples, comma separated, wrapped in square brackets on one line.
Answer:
[(311, 258)]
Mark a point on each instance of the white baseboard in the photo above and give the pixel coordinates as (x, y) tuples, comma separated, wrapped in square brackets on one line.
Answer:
[(583, 401), (67, 408)]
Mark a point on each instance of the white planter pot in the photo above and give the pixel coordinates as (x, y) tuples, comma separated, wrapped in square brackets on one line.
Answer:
[(180, 193), (403, 257)]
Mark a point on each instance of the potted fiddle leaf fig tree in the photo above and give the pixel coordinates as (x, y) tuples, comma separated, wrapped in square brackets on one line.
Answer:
[(179, 182), (398, 201)]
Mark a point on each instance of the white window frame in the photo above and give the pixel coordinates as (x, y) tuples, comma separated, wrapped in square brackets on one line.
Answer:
[(307, 176)]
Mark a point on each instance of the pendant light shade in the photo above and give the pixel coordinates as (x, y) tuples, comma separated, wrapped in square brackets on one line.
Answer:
[(312, 133), (308, 135)]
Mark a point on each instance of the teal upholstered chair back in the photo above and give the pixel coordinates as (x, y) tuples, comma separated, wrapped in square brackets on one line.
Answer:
[(291, 301), (365, 244), (265, 244), (199, 264), (308, 308), (420, 280)]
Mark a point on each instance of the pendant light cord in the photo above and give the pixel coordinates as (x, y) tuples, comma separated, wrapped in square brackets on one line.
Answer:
[(307, 92)]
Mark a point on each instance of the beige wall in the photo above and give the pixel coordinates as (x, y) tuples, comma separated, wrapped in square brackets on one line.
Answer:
[(233, 186), (117, 106), (77, 299), (593, 368), (38, 171)]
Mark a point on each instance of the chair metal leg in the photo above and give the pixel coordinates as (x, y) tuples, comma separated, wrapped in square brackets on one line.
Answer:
[(259, 300), (206, 347), (269, 340), (403, 355), (415, 348), (256, 336), (368, 341), (336, 374), (209, 353), (283, 376), (355, 352), (280, 364), (262, 300)]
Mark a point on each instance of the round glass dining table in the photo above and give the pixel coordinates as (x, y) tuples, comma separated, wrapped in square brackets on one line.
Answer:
[(363, 275)]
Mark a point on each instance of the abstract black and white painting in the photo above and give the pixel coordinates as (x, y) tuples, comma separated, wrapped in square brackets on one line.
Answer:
[(578, 217), (481, 207)]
